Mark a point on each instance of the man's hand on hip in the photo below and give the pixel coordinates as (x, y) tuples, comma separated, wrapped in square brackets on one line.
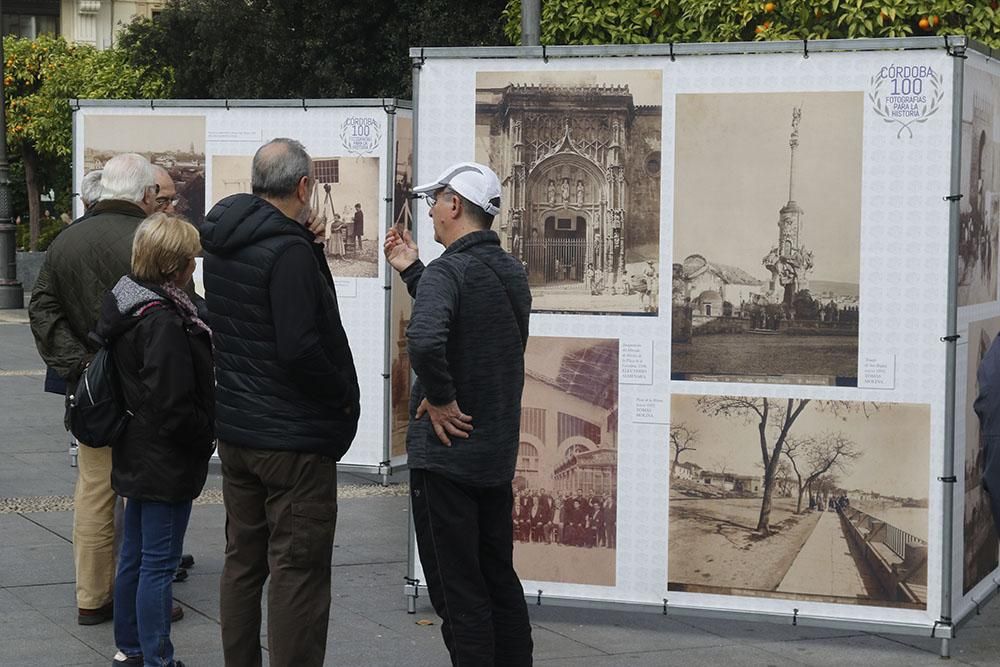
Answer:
[(400, 249), (447, 420)]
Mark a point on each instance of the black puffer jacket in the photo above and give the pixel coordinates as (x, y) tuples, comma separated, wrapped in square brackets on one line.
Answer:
[(285, 373), (165, 366)]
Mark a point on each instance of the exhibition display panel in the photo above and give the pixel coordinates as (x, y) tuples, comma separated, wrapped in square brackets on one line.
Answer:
[(362, 154), (763, 276)]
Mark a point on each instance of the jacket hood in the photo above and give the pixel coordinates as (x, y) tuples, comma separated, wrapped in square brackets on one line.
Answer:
[(124, 304), (241, 220)]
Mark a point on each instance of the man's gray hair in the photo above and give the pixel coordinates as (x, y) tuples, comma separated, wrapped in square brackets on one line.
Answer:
[(278, 166), (90, 187), (126, 176)]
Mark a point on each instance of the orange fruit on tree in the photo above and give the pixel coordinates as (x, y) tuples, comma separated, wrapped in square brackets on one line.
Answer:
[(770, 7), (924, 24), (934, 20)]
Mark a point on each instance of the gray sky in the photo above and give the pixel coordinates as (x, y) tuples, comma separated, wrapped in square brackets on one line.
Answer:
[(894, 441), (731, 178)]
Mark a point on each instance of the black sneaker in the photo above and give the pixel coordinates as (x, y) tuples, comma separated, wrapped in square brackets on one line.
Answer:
[(187, 561), (121, 659), (180, 574)]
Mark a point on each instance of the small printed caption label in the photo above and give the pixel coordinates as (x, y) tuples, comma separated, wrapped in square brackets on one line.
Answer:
[(878, 371), (347, 288), (649, 410), (635, 362)]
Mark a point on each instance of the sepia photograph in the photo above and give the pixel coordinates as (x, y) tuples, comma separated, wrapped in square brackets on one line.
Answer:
[(345, 194), (979, 217), (402, 303), (799, 499), (982, 546), (176, 143), (767, 229), (566, 480), (578, 155)]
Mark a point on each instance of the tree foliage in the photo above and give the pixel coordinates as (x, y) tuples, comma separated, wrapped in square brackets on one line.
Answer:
[(812, 457), (682, 439), (289, 49), (661, 21), (40, 77)]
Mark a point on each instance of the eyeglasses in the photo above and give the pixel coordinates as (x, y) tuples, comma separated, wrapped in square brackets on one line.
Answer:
[(163, 202), (432, 197)]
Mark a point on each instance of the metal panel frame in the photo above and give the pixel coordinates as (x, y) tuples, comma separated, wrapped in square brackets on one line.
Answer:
[(384, 102), (388, 104), (944, 628), (699, 49)]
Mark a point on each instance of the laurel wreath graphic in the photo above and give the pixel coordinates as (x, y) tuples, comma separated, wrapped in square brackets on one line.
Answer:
[(374, 140), (927, 109)]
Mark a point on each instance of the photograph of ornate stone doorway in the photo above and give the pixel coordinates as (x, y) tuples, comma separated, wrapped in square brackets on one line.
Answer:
[(578, 154)]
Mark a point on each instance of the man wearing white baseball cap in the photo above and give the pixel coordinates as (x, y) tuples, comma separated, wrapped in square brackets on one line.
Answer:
[(466, 342)]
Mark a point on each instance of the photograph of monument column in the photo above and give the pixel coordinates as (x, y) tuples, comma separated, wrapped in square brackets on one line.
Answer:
[(578, 155), (800, 499), (767, 220)]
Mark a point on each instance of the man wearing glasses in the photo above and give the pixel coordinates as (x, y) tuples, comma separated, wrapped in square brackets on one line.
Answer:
[(466, 341), (166, 193)]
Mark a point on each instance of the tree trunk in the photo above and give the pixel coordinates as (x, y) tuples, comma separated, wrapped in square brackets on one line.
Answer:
[(763, 522), (30, 159), (798, 506)]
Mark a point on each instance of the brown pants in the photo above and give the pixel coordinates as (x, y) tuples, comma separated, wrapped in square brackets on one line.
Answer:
[(95, 518), (281, 512)]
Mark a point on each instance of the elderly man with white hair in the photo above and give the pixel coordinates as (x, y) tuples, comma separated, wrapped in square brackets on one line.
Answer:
[(90, 189), (83, 262)]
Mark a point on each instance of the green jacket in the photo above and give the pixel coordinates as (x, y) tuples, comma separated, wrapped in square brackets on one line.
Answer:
[(84, 261)]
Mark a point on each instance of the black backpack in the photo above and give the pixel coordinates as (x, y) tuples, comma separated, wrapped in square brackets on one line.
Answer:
[(97, 411)]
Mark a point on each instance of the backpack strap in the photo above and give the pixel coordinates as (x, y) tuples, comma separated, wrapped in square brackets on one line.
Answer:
[(510, 300)]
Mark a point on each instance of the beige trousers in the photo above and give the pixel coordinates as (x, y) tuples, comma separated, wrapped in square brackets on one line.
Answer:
[(94, 519)]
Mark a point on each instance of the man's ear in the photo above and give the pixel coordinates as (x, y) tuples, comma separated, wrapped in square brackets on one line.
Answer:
[(303, 190)]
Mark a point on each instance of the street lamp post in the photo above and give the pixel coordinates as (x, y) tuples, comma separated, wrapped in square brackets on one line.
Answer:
[(531, 19), (11, 291)]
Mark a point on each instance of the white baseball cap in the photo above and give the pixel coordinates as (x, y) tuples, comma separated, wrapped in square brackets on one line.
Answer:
[(476, 182)]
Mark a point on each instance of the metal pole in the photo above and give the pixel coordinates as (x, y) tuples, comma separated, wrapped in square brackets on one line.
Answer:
[(11, 291), (531, 22), (948, 479), (390, 209)]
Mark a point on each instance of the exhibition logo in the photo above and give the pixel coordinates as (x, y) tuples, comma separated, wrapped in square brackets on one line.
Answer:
[(905, 95), (360, 135)]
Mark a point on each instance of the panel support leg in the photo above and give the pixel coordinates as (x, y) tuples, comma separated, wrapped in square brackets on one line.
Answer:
[(945, 649)]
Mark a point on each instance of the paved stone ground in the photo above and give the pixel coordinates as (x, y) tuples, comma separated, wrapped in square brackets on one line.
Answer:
[(369, 624)]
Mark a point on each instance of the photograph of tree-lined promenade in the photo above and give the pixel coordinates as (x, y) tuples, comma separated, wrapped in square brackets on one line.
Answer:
[(799, 498)]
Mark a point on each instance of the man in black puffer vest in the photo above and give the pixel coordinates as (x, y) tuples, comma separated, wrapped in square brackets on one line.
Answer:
[(287, 407)]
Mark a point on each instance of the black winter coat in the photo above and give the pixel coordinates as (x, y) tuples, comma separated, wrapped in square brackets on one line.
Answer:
[(285, 372), (165, 366)]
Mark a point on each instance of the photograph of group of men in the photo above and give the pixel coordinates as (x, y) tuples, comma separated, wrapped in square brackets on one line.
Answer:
[(576, 520)]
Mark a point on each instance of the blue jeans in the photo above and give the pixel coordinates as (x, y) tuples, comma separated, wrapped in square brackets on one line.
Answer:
[(150, 552)]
